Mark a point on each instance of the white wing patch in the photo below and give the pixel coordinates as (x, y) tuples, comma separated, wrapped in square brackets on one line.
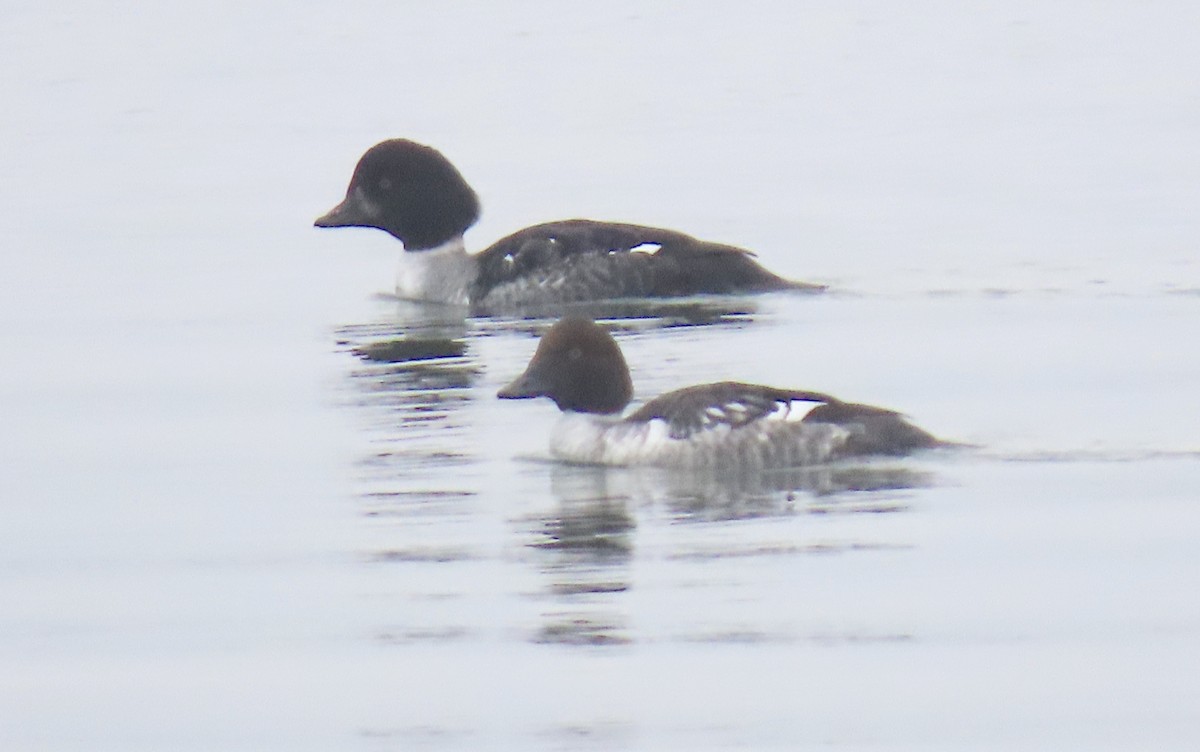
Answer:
[(689, 420)]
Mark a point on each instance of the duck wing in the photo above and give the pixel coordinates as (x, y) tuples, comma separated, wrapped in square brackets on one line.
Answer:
[(873, 430), (696, 409), (581, 259)]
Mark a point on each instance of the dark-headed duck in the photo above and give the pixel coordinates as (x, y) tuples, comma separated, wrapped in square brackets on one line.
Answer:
[(413, 192), (580, 366)]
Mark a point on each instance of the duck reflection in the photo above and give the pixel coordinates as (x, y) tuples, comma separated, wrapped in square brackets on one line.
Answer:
[(660, 313), (415, 333), (585, 548), (412, 384), (428, 321), (824, 489)]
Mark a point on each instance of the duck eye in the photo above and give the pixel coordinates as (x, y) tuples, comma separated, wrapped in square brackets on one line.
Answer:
[(385, 184), (575, 353)]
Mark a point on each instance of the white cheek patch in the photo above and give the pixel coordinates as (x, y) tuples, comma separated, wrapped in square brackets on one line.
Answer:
[(368, 207)]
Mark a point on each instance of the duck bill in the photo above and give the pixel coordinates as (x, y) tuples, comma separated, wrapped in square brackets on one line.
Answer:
[(352, 212), (525, 386)]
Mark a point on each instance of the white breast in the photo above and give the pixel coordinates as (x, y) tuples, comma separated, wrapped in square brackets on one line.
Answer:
[(439, 275)]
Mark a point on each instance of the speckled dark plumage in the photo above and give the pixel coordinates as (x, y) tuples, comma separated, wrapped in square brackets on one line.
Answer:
[(412, 192), (580, 366)]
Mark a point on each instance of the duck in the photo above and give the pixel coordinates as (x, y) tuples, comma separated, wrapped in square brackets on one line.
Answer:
[(415, 194), (579, 366)]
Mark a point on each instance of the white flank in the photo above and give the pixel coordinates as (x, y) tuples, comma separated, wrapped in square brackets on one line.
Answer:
[(774, 441)]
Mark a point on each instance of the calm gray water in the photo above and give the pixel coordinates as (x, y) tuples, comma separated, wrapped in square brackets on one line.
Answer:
[(237, 515)]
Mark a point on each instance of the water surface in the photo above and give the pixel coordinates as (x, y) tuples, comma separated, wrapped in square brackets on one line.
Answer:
[(252, 502)]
